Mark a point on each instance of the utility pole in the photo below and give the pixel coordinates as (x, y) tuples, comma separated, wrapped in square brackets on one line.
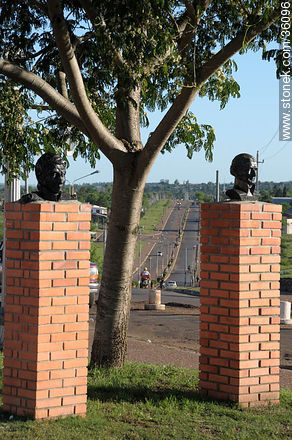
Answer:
[(217, 186), (257, 176)]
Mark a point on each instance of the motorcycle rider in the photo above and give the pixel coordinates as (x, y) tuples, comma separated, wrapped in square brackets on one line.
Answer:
[(145, 275)]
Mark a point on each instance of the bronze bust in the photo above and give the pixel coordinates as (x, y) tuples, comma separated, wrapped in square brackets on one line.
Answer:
[(244, 169), (50, 172)]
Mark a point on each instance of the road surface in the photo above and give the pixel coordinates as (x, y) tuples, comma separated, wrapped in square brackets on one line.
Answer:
[(166, 297), (162, 244), (185, 269)]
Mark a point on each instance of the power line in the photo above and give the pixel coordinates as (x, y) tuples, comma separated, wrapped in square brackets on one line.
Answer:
[(278, 152), (269, 143)]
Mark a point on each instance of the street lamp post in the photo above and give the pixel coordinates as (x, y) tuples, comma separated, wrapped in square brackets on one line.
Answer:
[(156, 265), (139, 271), (79, 178), (104, 217)]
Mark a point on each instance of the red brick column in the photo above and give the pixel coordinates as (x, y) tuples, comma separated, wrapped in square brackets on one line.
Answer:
[(240, 302), (46, 309)]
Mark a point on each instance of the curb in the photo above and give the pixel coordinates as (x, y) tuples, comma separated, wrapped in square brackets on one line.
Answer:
[(183, 291)]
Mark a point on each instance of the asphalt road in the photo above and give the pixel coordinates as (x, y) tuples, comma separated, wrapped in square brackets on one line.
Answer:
[(166, 297), (184, 271), (163, 243)]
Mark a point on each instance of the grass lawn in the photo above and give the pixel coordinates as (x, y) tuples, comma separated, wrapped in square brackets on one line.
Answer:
[(96, 252), (286, 256), (155, 402), (153, 216)]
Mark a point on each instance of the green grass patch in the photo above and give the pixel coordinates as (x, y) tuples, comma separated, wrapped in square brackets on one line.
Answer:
[(96, 254), (286, 256), (185, 290), (150, 221), (155, 403), (182, 289)]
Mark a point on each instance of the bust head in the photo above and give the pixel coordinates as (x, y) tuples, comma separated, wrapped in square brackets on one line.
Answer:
[(50, 172), (244, 169)]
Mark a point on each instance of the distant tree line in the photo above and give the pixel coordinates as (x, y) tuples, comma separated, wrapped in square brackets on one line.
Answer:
[(100, 193)]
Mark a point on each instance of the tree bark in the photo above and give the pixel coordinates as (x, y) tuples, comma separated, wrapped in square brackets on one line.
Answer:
[(113, 307), (127, 117)]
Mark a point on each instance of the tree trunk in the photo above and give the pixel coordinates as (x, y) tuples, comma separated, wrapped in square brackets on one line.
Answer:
[(113, 307), (127, 116)]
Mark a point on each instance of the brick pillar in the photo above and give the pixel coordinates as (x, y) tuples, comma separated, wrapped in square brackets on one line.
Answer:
[(240, 302), (46, 309)]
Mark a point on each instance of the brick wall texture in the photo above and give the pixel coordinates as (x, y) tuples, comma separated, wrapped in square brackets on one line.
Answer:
[(46, 309), (240, 302)]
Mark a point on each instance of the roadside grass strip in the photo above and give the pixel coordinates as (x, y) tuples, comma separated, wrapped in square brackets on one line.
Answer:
[(150, 221), (286, 256)]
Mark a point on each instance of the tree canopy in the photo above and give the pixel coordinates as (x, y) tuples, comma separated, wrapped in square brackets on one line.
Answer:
[(18, 132), (166, 48)]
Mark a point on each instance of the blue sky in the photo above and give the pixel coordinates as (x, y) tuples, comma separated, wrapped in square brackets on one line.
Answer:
[(246, 124)]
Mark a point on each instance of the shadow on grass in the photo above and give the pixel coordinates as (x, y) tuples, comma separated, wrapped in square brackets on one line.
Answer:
[(138, 394), (142, 394)]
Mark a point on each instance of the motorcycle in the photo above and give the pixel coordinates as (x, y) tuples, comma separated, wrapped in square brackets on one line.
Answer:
[(144, 284)]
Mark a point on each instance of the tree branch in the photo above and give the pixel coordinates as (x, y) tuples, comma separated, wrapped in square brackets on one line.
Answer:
[(183, 101), (186, 28), (231, 48), (83, 38), (55, 100), (194, 16), (62, 86), (39, 6), (41, 107), (168, 124), (91, 14), (98, 132)]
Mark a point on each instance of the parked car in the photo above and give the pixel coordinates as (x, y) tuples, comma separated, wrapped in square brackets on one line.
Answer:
[(171, 284), (93, 284), (159, 253)]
